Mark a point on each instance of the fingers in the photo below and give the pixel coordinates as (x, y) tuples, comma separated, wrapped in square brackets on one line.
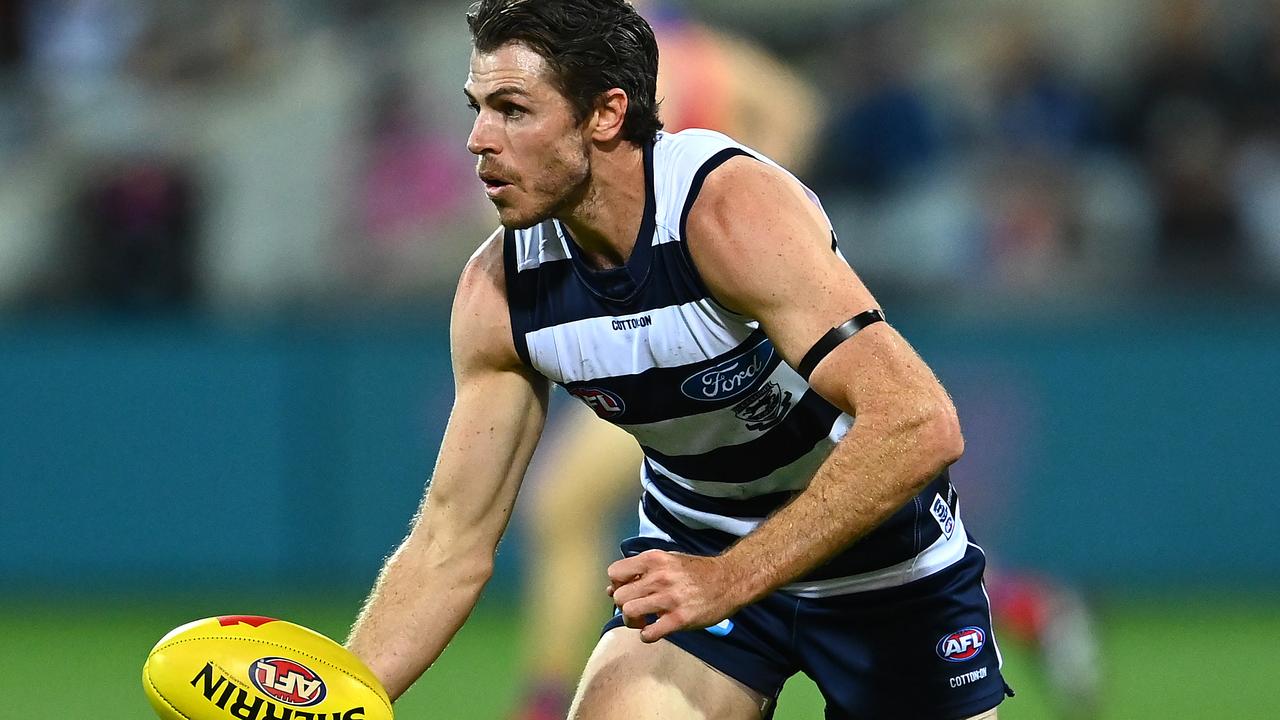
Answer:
[(639, 612), (652, 592), (665, 625), (630, 570), (634, 585), (625, 570)]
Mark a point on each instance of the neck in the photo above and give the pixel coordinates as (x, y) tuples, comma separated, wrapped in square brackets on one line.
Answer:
[(604, 224)]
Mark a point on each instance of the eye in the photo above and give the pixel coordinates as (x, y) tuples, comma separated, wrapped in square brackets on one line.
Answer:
[(474, 107), (514, 112)]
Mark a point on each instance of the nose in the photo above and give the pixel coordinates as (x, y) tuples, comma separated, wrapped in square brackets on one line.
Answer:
[(483, 138)]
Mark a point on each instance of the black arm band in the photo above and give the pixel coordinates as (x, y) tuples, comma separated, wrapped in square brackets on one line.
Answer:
[(834, 337)]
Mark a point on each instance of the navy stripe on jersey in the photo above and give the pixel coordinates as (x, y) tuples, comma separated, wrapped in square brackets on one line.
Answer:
[(644, 404), (901, 537), (704, 541), (517, 297), (759, 506), (558, 289), (811, 422)]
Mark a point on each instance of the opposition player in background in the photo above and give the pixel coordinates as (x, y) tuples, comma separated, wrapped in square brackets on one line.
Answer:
[(708, 78), (690, 290)]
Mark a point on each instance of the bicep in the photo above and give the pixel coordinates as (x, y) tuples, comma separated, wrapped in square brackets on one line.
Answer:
[(499, 409), (764, 248), (495, 424)]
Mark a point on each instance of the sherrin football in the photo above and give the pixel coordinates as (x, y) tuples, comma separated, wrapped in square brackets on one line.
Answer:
[(245, 667)]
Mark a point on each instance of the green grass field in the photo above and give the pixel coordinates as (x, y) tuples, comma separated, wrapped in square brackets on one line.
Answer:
[(1199, 659)]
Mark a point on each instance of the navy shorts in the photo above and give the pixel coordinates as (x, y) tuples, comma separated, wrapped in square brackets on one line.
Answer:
[(921, 650)]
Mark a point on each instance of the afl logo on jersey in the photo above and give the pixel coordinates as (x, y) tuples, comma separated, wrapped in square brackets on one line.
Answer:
[(962, 644), (606, 404), (730, 378)]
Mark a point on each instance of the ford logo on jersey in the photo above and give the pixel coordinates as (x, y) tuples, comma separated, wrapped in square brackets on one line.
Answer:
[(730, 378), (962, 644)]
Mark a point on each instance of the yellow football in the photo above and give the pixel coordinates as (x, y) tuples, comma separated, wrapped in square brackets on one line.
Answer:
[(245, 667)]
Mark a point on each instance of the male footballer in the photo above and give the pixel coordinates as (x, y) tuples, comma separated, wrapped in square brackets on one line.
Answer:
[(797, 514)]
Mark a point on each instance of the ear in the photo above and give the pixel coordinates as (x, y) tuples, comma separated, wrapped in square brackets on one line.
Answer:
[(610, 112)]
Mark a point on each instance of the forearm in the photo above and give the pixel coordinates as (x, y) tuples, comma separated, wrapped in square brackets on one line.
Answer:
[(874, 470), (422, 597)]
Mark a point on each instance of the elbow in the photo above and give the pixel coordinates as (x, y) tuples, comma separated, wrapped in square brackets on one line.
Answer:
[(471, 569), (942, 436), (467, 573), (478, 573), (460, 561), (931, 428)]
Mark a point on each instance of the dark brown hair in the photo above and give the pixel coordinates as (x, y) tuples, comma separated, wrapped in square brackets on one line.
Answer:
[(591, 45)]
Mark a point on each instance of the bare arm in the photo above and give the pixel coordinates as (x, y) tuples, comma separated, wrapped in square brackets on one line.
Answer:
[(430, 584), (764, 250)]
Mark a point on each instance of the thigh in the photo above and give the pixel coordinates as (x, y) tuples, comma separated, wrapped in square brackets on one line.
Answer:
[(627, 679)]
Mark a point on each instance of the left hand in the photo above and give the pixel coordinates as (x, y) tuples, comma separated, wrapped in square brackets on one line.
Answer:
[(686, 592)]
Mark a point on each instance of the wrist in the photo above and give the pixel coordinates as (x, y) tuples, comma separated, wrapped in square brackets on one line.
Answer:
[(741, 585)]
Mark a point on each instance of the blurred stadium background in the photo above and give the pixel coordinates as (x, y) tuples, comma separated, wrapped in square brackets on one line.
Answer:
[(229, 233)]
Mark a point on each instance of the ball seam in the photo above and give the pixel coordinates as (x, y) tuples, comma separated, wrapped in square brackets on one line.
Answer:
[(303, 653)]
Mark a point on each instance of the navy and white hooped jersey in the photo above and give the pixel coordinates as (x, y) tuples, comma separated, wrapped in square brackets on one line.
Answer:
[(729, 431)]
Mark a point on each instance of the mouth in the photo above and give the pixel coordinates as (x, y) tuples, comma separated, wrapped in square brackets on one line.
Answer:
[(493, 183)]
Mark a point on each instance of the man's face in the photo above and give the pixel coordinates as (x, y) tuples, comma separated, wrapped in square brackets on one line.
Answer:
[(533, 155)]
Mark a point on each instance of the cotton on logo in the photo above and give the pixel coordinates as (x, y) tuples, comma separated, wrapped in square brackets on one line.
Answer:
[(962, 645), (605, 403), (287, 681)]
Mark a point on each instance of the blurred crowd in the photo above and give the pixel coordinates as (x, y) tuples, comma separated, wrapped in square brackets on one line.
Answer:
[(999, 147), (167, 154)]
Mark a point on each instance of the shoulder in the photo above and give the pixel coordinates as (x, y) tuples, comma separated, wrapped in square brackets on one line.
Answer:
[(480, 328), (751, 224), (749, 204), (483, 278), (682, 161)]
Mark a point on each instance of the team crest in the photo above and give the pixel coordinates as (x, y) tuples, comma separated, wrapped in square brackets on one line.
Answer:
[(765, 407)]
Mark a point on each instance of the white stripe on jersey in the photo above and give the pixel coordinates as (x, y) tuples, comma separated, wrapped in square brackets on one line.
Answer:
[(942, 554), (679, 335), (794, 476), (684, 158), (699, 520), (648, 529), (551, 246)]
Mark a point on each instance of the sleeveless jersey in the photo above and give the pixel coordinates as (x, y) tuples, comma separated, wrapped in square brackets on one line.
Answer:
[(729, 431)]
